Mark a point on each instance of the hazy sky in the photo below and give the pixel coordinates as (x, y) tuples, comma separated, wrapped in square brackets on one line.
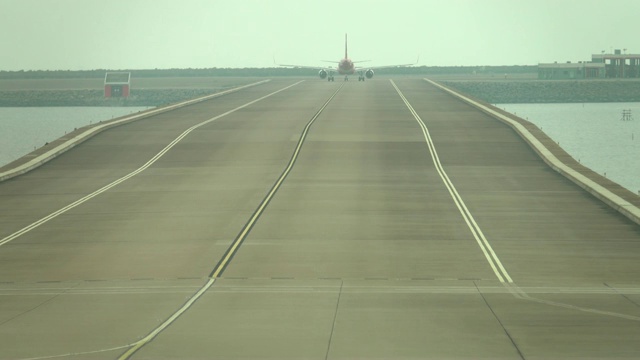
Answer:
[(142, 34)]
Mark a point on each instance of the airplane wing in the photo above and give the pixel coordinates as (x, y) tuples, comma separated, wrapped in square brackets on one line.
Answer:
[(325, 72), (385, 66), (391, 66), (338, 62), (308, 67)]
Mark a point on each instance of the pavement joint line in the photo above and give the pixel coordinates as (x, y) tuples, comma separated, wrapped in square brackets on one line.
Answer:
[(619, 204), (104, 280), (335, 319), (231, 251), (140, 343), (513, 342), (605, 195), (228, 256), (476, 231), (519, 293), (77, 353), (622, 294), (537, 288), (132, 174), (40, 159), (357, 287)]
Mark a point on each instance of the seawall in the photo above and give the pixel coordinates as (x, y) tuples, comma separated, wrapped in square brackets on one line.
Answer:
[(89, 97), (539, 91)]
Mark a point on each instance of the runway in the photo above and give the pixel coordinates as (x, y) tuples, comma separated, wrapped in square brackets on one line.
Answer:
[(305, 219)]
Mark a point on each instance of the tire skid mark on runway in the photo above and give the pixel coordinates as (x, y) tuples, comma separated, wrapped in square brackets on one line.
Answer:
[(233, 248), (482, 241), (105, 188)]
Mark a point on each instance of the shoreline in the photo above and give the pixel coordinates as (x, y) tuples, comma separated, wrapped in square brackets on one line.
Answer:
[(548, 91), (90, 97), (494, 91)]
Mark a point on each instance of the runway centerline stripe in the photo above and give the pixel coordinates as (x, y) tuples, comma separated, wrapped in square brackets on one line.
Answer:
[(39, 159), (155, 158), (482, 241), (233, 248), (221, 266)]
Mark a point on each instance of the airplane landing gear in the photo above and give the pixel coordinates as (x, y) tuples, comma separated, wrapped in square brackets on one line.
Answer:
[(346, 78), (330, 78), (361, 78)]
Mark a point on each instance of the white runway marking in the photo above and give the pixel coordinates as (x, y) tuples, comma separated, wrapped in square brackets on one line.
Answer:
[(490, 255), (137, 345), (226, 258), (514, 289), (55, 214), (51, 154), (619, 204)]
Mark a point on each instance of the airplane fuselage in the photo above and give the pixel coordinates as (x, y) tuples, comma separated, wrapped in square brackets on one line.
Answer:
[(346, 67)]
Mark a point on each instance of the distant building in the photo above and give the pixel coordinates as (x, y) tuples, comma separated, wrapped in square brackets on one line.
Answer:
[(616, 65), (117, 84), (569, 70), (619, 65)]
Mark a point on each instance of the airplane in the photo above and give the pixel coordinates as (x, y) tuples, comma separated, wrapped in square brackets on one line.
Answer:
[(345, 67)]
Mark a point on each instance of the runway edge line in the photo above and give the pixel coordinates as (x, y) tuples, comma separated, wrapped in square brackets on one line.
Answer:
[(495, 263), (94, 130), (600, 192), (233, 248), (132, 174)]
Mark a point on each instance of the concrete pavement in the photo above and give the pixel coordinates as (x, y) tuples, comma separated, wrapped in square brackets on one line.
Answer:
[(361, 253)]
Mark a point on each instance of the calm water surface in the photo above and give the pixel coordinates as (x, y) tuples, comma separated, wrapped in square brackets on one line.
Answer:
[(23, 129), (593, 133)]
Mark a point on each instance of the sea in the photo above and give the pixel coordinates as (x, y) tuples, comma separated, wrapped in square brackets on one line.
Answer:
[(24, 129), (603, 136)]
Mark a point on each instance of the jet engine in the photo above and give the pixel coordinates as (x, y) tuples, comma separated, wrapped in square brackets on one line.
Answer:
[(322, 74), (369, 74)]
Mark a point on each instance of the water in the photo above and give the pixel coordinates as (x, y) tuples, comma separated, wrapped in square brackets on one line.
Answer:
[(23, 129), (593, 133)]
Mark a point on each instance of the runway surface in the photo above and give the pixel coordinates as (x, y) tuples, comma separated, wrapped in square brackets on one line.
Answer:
[(376, 220)]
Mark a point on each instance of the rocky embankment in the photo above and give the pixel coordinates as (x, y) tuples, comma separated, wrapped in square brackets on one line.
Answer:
[(140, 97), (532, 91)]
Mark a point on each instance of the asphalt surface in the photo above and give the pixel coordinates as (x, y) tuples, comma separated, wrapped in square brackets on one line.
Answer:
[(336, 236)]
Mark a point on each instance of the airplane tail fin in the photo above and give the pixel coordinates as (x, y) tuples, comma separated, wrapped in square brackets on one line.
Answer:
[(345, 47)]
